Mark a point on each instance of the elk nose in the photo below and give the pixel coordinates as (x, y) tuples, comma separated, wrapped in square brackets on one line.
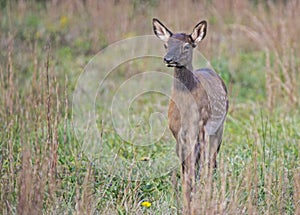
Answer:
[(168, 59)]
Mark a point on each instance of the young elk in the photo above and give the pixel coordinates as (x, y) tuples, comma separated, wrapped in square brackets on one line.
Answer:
[(197, 108)]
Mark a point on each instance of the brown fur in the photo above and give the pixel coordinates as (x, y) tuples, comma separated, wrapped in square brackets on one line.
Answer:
[(189, 109)]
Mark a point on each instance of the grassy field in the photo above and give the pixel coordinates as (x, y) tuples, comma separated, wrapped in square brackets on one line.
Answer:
[(45, 167)]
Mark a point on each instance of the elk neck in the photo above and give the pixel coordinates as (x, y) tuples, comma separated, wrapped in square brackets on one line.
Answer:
[(184, 78)]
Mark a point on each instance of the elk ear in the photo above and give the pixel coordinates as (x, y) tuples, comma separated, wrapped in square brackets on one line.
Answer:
[(199, 32), (161, 31)]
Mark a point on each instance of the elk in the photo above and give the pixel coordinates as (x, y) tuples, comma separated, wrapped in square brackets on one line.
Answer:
[(197, 108)]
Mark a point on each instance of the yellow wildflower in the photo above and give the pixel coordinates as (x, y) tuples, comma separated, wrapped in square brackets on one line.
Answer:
[(38, 35), (63, 21), (146, 204), (145, 158)]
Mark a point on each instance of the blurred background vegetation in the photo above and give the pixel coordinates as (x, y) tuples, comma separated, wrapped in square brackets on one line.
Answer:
[(45, 45)]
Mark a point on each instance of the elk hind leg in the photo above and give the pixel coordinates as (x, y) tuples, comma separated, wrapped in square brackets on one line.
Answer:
[(214, 146)]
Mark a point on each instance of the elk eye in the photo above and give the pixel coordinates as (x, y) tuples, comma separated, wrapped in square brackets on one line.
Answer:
[(166, 46), (186, 46)]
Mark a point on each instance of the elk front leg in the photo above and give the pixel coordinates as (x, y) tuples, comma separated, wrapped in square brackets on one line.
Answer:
[(186, 185), (186, 152), (184, 155)]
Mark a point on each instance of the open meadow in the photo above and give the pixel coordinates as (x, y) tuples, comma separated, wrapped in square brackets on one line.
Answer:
[(65, 150)]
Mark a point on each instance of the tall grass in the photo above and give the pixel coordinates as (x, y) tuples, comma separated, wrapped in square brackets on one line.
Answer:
[(44, 48)]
